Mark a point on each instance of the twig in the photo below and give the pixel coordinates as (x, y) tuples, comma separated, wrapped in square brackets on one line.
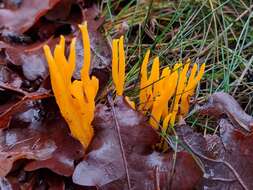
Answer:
[(120, 139), (223, 179), (11, 88), (157, 178)]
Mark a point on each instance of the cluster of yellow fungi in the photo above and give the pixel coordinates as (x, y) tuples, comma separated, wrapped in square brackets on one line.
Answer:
[(164, 95), (76, 99), (157, 91)]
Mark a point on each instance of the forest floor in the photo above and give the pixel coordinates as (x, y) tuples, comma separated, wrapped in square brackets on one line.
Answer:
[(41, 146)]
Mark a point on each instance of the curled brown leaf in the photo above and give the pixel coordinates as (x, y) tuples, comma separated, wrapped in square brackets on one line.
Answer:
[(223, 104)]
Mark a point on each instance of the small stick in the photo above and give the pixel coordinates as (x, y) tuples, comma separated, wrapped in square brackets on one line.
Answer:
[(109, 97)]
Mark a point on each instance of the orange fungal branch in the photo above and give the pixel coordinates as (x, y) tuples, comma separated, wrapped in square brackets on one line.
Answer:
[(76, 100)]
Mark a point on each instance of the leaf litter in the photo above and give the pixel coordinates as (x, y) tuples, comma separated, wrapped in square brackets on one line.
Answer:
[(227, 156), (144, 168), (35, 142)]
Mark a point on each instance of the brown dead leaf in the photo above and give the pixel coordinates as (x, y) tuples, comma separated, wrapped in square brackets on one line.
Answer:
[(21, 17), (30, 57), (57, 14), (45, 141), (227, 158), (7, 185), (18, 106), (41, 179), (7, 76), (220, 104), (142, 168), (32, 60)]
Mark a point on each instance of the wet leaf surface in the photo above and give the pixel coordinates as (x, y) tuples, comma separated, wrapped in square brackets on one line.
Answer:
[(104, 166), (46, 142), (20, 17), (220, 104), (9, 109), (227, 157), (30, 58)]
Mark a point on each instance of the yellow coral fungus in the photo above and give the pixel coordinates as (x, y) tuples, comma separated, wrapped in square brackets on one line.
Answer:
[(118, 65), (145, 90), (156, 91), (179, 92), (131, 103), (76, 100), (166, 122), (189, 89), (149, 86), (160, 104), (165, 96)]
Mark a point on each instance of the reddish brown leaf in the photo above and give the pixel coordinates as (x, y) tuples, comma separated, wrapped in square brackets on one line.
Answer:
[(16, 106), (7, 76), (41, 179), (20, 18), (147, 169), (57, 14), (19, 106), (222, 103), (30, 57), (227, 158), (7, 102), (7, 185), (45, 141), (53, 181)]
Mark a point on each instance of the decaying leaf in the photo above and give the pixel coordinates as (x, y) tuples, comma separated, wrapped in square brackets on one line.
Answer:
[(45, 141), (21, 17), (10, 78), (227, 158), (223, 104), (105, 166), (40, 179), (18, 106), (30, 58)]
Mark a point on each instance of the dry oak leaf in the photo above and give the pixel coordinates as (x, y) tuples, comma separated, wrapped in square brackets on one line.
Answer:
[(105, 167)]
